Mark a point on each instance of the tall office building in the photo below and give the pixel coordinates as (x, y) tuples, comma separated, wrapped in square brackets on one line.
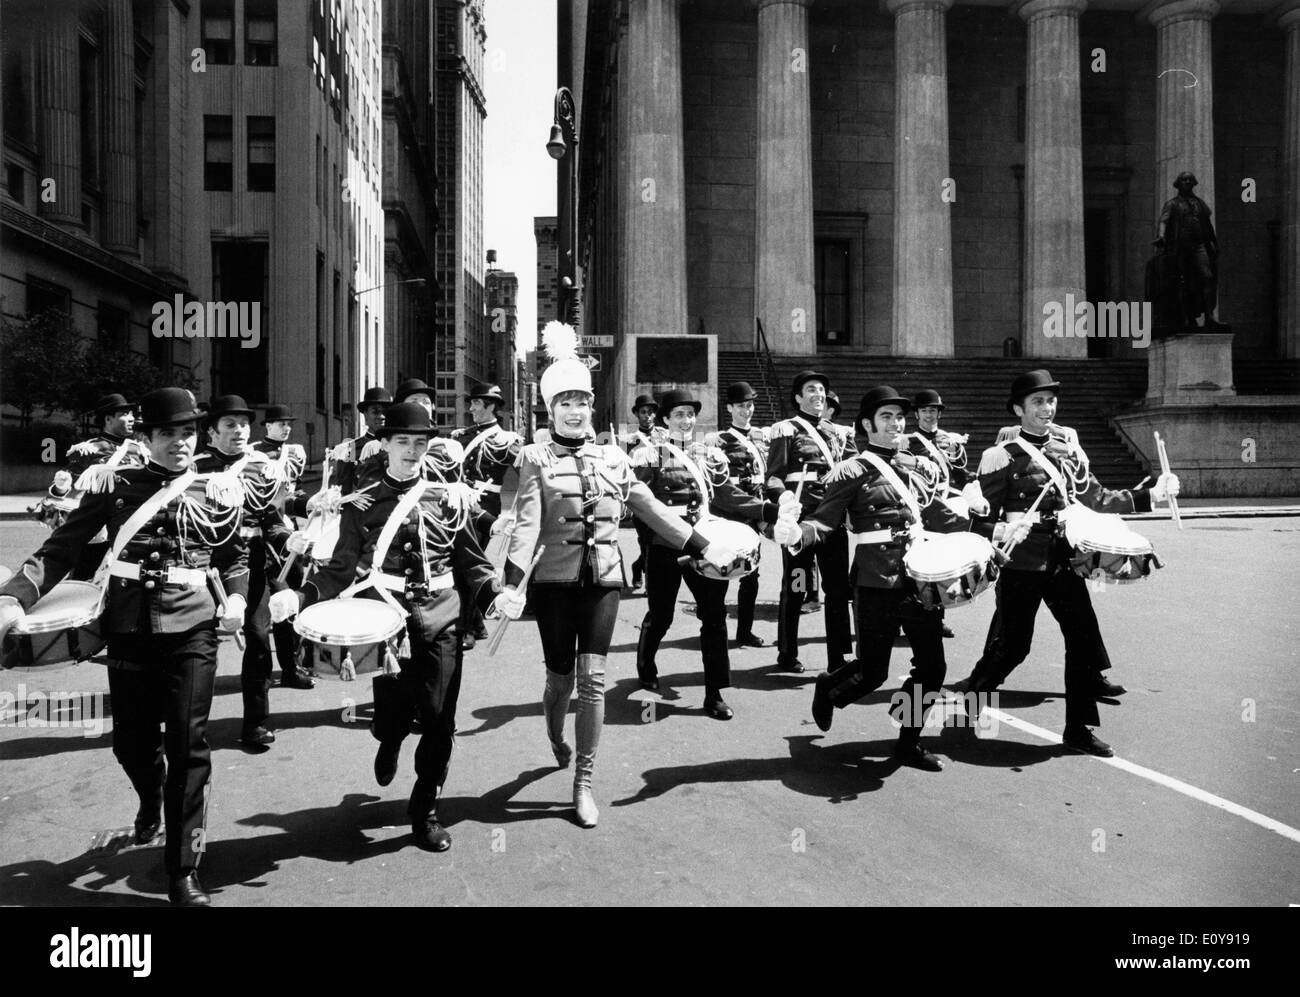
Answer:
[(547, 233), (502, 322)]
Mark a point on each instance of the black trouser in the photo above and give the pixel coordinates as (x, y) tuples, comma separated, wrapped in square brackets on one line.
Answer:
[(746, 597), (471, 616), (832, 556), (573, 620), (255, 669), (170, 683), (1019, 594), (428, 688), (644, 540), (663, 580)]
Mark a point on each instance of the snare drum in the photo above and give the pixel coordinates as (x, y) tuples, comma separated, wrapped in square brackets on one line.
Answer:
[(950, 569), (1105, 548), (338, 626), (323, 532), (739, 537), (63, 627)]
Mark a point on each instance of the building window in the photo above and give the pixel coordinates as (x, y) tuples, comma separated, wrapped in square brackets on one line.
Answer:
[(14, 175), (261, 153), (42, 296), (240, 279), (833, 291), (219, 32), (320, 331), (259, 33), (218, 152), (114, 333)]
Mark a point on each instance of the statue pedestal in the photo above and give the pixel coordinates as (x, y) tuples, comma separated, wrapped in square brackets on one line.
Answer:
[(1191, 368)]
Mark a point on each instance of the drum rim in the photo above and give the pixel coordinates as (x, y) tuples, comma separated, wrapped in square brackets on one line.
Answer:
[(1096, 547), (26, 627), (369, 637)]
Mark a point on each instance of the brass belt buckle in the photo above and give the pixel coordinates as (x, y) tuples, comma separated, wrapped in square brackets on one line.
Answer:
[(153, 577)]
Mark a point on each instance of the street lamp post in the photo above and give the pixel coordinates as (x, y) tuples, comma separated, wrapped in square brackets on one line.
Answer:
[(565, 126)]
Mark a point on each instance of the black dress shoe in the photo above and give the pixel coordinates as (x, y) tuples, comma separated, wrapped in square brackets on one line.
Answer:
[(917, 757), (259, 738), (467, 641), (947, 631), (480, 632), (148, 821), (1109, 690), (790, 666), (651, 685), (962, 685), (386, 762), (297, 679), (750, 640), (811, 606), (823, 710), (187, 891), (718, 709), (430, 835), (1083, 740)]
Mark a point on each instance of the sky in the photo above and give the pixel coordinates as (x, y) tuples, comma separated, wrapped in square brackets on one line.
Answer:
[(518, 175)]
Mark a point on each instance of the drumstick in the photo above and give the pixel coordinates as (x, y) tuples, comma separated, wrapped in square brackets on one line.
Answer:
[(1164, 469), (219, 590), (1006, 549), (495, 641)]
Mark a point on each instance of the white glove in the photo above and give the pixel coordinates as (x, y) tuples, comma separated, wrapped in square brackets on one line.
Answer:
[(786, 532), (1017, 531), (503, 524), (62, 484), (509, 602), (233, 619), (719, 555), (298, 543), (788, 501), (10, 613), (1166, 487), (283, 605), (342, 452), (974, 497)]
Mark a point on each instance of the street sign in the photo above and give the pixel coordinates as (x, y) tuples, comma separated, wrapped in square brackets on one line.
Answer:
[(593, 363), (596, 342)]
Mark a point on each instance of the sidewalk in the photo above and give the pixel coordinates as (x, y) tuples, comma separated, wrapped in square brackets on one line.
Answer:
[(14, 507)]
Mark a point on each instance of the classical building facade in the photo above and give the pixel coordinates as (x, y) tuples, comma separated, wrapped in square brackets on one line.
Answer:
[(460, 347), (923, 178)]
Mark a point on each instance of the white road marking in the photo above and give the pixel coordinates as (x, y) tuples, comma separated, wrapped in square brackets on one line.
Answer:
[(1168, 781)]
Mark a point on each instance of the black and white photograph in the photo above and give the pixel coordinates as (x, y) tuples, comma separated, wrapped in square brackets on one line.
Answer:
[(651, 453)]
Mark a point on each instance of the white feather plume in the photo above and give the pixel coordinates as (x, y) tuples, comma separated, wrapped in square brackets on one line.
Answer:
[(560, 340)]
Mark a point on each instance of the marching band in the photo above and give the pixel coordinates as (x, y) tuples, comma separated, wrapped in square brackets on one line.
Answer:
[(169, 543)]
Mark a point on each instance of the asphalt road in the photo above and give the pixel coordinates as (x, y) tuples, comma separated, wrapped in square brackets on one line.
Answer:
[(764, 809)]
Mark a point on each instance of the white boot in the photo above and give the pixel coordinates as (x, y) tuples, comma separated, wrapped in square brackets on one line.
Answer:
[(555, 707), (591, 717)]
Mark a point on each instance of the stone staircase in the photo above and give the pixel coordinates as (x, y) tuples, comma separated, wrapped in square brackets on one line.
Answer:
[(974, 393)]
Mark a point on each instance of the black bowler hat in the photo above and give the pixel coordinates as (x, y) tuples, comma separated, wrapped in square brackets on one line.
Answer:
[(644, 400), (878, 396), (111, 403), (671, 399), (739, 392), (833, 405), (278, 413), (487, 392), (802, 378), (228, 405), (1027, 384), (411, 386), (378, 395), (405, 417), (927, 398), (168, 407)]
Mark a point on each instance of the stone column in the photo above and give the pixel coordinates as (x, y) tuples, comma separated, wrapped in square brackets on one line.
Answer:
[(1184, 95), (1053, 247), (1289, 347), (653, 197), (120, 208), (58, 115), (922, 223), (784, 298)]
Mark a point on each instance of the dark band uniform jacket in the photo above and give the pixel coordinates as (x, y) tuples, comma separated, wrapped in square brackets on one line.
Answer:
[(1011, 479), (856, 489), (429, 565), (344, 473), (673, 484), (744, 470), (958, 477), (794, 455), (100, 448), (261, 518), (486, 462), (158, 545), (583, 492)]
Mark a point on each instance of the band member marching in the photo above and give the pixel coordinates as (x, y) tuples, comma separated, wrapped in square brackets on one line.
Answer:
[(160, 621), (572, 494), (255, 479), (489, 452), (1011, 476), (691, 479), (347, 455), (802, 452), (745, 447), (645, 408), (886, 493), (413, 546)]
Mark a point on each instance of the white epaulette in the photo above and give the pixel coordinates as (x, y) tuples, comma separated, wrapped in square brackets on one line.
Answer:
[(783, 428), (615, 455), (712, 439), (995, 458), (369, 450), (225, 489), (846, 470), (536, 453), (454, 450)]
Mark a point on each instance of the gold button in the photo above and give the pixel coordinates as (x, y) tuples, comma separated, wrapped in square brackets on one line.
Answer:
[(162, 532), (153, 556), (591, 543), (148, 585), (406, 547), (591, 519)]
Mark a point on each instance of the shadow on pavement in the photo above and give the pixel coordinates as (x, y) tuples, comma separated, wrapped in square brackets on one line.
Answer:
[(40, 883), (494, 717)]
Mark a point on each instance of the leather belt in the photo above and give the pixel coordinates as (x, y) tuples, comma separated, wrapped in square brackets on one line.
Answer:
[(1033, 517), (194, 578), (250, 531), (400, 583), (803, 476), (487, 486), (681, 510), (871, 537)]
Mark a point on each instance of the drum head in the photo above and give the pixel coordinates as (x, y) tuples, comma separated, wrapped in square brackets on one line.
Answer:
[(946, 556), (349, 621), (68, 604), (1094, 531)]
